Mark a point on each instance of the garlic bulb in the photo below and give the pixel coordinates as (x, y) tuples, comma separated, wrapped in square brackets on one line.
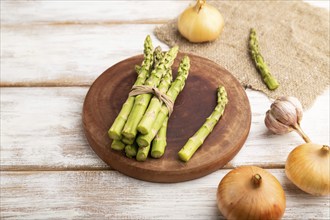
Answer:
[(201, 22), (250, 192), (308, 167), (284, 116), (294, 101)]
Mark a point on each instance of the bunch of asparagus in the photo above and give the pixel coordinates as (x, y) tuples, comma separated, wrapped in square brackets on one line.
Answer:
[(142, 122)]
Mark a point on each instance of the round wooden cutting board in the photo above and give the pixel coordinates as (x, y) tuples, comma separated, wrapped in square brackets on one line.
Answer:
[(194, 104)]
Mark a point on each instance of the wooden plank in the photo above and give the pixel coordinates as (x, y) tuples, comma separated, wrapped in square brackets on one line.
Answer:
[(111, 195), (97, 12), (66, 55), (67, 47), (41, 129), (90, 12)]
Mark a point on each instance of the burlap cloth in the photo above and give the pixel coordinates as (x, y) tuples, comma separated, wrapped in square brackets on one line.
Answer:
[(293, 38)]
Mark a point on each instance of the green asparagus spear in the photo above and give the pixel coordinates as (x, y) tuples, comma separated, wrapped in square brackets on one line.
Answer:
[(117, 145), (198, 138), (158, 56), (155, 104), (118, 125), (142, 101), (269, 80), (131, 150), (127, 140), (137, 68), (173, 92), (142, 153), (159, 143)]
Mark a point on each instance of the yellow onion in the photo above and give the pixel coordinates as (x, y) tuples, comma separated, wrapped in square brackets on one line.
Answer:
[(308, 167), (250, 192), (201, 22)]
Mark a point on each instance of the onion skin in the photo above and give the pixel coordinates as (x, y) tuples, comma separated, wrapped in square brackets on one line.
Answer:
[(239, 197), (200, 23), (308, 167)]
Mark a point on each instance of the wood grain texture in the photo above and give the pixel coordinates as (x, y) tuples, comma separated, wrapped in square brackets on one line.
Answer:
[(66, 55), (111, 195), (194, 104), (59, 43), (41, 129), (87, 12), (103, 12), (69, 43), (54, 43)]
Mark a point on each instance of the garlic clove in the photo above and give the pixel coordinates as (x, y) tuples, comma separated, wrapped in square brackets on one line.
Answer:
[(275, 126), (294, 101), (284, 112)]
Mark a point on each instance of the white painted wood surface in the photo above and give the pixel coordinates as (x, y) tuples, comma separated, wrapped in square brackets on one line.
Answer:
[(42, 129), (47, 168), (110, 195)]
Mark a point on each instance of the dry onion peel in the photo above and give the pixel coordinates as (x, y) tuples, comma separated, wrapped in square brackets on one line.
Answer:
[(201, 22), (308, 167), (250, 192)]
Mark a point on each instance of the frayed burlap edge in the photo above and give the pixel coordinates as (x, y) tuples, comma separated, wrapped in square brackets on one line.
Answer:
[(293, 38)]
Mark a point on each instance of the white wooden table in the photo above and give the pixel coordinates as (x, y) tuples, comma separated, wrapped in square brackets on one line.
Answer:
[(51, 52)]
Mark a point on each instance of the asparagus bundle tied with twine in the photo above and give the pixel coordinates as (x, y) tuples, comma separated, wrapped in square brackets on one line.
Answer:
[(142, 101), (148, 94), (144, 141), (140, 128), (143, 73), (173, 92)]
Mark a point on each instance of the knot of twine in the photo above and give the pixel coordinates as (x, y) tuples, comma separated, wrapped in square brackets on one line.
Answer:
[(163, 98)]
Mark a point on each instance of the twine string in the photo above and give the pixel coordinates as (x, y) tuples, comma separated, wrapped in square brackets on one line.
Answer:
[(163, 98)]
